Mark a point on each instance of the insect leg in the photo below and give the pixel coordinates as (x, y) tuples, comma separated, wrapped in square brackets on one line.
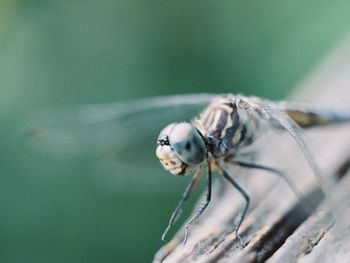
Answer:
[(207, 201), (242, 192), (185, 196), (307, 207)]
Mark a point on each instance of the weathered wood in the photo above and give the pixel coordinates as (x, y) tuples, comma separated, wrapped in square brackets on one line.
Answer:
[(277, 227)]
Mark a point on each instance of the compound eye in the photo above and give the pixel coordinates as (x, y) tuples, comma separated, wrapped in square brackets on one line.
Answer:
[(187, 143)]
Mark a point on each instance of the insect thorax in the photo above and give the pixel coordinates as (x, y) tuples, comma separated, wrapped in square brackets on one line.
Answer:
[(225, 127)]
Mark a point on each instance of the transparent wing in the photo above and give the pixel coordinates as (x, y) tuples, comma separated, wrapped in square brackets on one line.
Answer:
[(93, 129), (278, 118), (121, 136)]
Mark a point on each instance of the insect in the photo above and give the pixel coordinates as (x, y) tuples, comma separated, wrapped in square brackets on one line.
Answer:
[(227, 125)]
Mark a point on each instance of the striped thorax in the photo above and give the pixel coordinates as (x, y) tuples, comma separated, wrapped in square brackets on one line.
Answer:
[(225, 126)]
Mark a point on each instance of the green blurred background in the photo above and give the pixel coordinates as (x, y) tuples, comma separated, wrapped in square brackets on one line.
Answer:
[(64, 53)]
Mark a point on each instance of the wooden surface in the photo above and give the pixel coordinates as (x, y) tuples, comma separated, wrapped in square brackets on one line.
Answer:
[(278, 228)]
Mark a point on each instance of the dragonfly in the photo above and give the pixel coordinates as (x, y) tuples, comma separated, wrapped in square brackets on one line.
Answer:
[(227, 125)]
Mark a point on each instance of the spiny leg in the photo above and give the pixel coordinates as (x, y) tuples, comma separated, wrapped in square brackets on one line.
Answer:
[(307, 207), (242, 192), (185, 196), (207, 201)]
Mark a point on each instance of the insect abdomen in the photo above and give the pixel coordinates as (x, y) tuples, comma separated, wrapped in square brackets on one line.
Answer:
[(307, 119)]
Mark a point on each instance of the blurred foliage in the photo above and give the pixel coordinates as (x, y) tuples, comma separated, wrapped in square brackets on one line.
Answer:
[(61, 53)]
